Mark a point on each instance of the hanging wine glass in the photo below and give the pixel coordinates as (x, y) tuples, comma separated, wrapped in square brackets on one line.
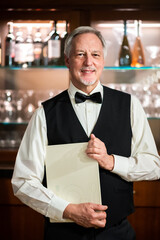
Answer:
[(154, 55), (30, 107), (9, 106), (1, 106), (21, 98)]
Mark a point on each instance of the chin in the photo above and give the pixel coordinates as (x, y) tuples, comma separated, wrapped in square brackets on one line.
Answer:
[(88, 82)]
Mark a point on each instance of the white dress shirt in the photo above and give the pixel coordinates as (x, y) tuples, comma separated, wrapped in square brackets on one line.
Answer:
[(143, 164)]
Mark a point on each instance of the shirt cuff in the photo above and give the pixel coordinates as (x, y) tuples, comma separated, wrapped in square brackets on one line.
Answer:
[(56, 209), (121, 165)]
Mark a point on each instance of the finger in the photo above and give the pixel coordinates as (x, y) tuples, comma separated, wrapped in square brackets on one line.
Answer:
[(94, 144), (97, 154), (94, 150), (100, 223), (99, 207), (92, 141), (100, 215)]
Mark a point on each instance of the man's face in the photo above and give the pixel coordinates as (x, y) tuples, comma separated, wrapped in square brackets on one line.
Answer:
[(86, 61)]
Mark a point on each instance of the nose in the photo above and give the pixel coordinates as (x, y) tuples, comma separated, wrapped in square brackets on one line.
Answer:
[(88, 60)]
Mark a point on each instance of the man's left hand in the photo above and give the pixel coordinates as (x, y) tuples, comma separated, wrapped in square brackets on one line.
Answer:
[(96, 149)]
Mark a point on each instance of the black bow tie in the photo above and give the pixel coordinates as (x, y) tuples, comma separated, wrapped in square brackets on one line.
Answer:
[(95, 97)]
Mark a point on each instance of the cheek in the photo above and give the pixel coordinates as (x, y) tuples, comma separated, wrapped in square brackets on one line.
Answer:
[(76, 66), (100, 66)]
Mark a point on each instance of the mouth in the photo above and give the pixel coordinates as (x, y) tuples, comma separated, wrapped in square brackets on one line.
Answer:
[(88, 70)]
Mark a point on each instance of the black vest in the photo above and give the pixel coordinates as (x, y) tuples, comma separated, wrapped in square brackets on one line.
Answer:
[(113, 128)]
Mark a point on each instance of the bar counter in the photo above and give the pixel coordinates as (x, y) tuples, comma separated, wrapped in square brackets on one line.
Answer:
[(18, 221)]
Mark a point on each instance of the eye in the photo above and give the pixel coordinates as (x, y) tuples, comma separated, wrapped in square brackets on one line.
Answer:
[(80, 54), (96, 54)]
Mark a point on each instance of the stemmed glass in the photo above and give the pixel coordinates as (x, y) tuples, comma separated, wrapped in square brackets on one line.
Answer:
[(1, 106), (21, 98), (30, 106), (154, 53), (9, 106)]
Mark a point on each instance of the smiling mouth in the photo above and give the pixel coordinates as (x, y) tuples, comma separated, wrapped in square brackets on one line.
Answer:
[(87, 70)]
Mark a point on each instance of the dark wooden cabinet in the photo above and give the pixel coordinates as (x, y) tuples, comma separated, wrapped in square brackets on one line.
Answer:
[(18, 221), (146, 219)]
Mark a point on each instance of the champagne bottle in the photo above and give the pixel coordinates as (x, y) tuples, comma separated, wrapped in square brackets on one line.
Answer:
[(20, 51), (9, 46), (37, 48), (138, 59), (29, 50), (125, 57), (54, 47)]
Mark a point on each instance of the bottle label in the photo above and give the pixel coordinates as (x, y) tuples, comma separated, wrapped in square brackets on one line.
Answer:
[(37, 50), (29, 52), (20, 52), (10, 49), (54, 49)]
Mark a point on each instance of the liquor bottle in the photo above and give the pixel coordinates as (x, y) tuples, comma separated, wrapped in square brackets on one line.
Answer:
[(20, 51), (54, 47), (45, 52), (37, 42), (125, 57), (29, 50), (9, 46), (138, 59), (63, 38)]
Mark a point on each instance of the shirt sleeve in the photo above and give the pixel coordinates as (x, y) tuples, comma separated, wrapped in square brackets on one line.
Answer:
[(29, 171), (144, 162)]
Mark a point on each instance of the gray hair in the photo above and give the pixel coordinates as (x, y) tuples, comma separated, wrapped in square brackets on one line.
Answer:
[(78, 31)]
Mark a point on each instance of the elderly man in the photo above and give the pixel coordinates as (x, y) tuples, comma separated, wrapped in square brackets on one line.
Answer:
[(119, 139)]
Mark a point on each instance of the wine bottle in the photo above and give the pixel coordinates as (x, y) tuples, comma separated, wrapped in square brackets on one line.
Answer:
[(125, 57), (29, 50), (45, 52), (63, 38), (20, 51), (54, 47), (9, 46), (37, 48), (138, 59)]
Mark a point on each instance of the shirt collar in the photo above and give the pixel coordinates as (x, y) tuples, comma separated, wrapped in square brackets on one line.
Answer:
[(72, 90)]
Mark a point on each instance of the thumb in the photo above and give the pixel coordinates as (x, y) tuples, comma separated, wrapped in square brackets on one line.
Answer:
[(93, 136)]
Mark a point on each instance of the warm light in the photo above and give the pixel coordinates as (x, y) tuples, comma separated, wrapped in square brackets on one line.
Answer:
[(36, 25), (127, 9), (138, 65), (132, 25), (60, 24), (10, 9)]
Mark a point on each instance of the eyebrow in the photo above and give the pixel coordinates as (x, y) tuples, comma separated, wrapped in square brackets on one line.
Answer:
[(79, 50)]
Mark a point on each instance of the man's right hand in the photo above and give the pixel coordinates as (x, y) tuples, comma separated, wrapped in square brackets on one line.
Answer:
[(86, 214)]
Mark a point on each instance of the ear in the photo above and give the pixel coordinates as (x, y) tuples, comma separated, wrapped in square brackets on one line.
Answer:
[(66, 61)]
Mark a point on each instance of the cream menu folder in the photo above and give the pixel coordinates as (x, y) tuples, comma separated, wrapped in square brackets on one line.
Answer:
[(71, 174)]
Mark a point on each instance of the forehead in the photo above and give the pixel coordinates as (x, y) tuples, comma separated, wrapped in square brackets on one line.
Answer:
[(87, 40)]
